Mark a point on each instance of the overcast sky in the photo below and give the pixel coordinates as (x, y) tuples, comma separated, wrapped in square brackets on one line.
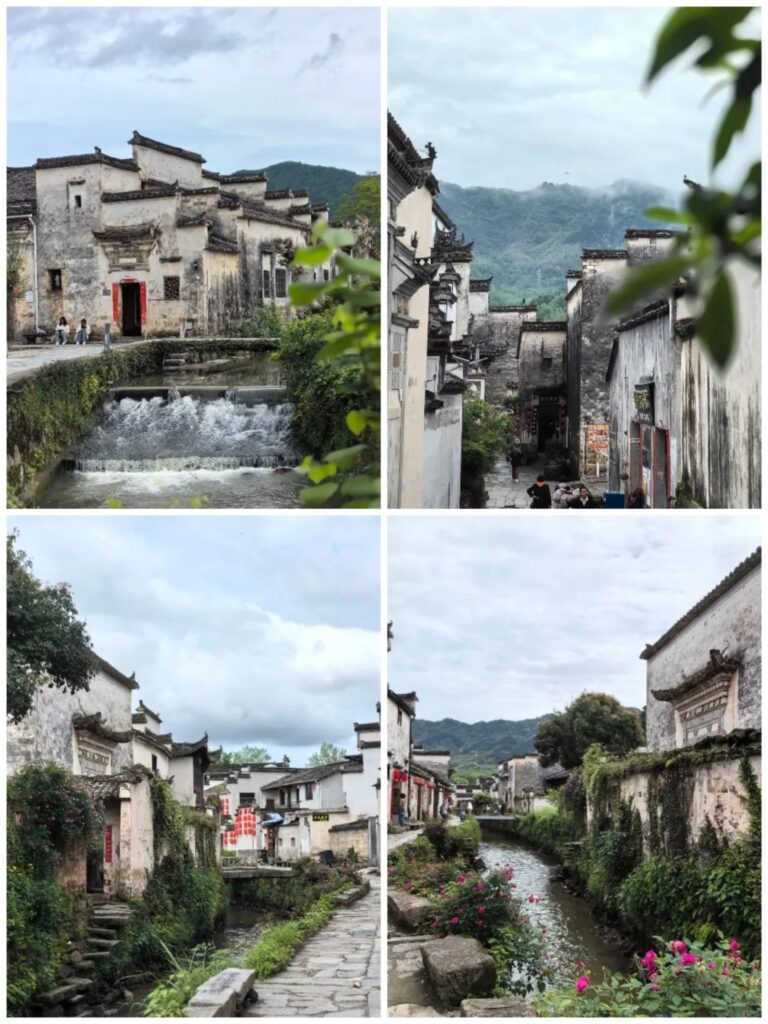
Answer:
[(513, 618), (256, 629), (512, 97), (245, 87)]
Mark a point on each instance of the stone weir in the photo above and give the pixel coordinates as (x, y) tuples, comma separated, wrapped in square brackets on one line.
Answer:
[(265, 394)]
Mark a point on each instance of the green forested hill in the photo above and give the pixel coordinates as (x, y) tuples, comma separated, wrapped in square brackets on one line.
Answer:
[(479, 746), (527, 240), (325, 184)]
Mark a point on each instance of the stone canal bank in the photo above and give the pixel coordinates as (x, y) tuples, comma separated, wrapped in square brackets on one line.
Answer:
[(337, 973)]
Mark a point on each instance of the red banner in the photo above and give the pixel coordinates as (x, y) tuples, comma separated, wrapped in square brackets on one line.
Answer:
[(108, 844)]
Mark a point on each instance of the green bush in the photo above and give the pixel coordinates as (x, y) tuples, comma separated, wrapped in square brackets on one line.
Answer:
[(190, 972), (478, 904), (310, 881), (454, 840), (676, 979)]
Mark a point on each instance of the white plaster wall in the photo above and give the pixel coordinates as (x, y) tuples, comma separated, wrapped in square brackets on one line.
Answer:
[(142, 847), (182, 786), (442, 455), (398, 736), (732, 623), (166, 167), (142, 753)]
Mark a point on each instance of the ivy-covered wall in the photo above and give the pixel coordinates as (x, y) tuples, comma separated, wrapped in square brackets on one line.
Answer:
[(54, 408)]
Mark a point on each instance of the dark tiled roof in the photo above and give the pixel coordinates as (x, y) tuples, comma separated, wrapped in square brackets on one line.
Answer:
[(351, 826), (258, 211), (736, 576), (129, 233), (97, 157), (480, 284), (192, 220), (555, 772), (205, 190), (717, 665), (103, 786), (21, 190), (142, 140), (229, 201), (149, 711), (405, 158), (604, 254), (543, 325), (110, 670), (321, 771), (652, 233), (163, 743), (217, 244), (281, 193), (244, 179), (320, 207), (303, 210), (650, 312), (573, 273), (366, 726), (149, 193), (187, 749), (95, 724), (370, 744), (213, 175)]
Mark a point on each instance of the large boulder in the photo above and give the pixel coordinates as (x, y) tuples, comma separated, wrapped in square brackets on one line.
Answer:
[(507, 1006), (458, 967), (412, 912)]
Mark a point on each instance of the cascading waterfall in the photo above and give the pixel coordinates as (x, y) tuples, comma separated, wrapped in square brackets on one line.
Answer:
[(187, 433)]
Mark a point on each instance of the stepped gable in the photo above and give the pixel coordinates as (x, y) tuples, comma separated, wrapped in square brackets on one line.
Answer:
[(137, 139)]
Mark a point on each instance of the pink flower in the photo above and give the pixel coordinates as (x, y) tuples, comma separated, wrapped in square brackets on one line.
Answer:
[(725, 971), (649, 960), (582, 983), (678, 946), (481, 910), (454, 920), (480, 885), (654, 987), (712, 965), (687, 958), (735, 947)]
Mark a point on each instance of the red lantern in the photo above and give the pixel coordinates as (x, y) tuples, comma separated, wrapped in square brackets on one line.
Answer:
[(396, 774)]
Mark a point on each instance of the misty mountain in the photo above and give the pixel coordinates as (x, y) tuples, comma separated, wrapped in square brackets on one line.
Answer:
[(484, 743), (527, 240)]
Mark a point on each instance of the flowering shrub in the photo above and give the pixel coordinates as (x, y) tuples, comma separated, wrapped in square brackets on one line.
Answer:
[(676, 979), (425, 879), (480, 905)]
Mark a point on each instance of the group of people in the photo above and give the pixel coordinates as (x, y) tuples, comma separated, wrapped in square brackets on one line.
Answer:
[(564, 497), (61, 334)]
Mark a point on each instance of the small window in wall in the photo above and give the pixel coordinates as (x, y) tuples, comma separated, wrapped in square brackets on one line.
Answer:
[(247, 799), (546, 362), (282, 797), (399, 717), (308, 791), (171, 289), (154, 763), (293, 841), (266, 284), (78, 202), (298, 796), (281, 282), (326, 275), (54, 279)]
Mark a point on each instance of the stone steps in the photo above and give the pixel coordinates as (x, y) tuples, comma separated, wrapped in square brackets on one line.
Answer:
[(96, 954), (97, 943), (102, 933)]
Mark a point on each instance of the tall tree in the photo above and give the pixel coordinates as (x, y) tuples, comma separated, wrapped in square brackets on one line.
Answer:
[(246, 755), (327, 754), (591, 718), (47, 643)]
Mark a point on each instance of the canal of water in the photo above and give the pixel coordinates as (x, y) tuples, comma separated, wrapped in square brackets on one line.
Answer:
[(571, 930)]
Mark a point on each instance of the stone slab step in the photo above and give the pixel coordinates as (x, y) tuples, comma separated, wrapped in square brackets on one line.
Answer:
[(83, 966), (58, 995), (102, 933), (95, 954), (96, 943)]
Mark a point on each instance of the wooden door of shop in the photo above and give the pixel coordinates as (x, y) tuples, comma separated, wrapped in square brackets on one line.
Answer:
[(131, 303)]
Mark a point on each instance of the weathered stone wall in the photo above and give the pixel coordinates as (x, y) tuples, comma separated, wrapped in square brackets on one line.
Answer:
[(721, 442), (355, 839), (541, 361), (573, 370), (601, 273), (648, 352), (442, 454), (717, 797), (502, 326), (46, 734), (138, 838), (732, 625)]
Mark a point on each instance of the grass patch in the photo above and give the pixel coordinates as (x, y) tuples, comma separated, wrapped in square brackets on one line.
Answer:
[(189, 973)]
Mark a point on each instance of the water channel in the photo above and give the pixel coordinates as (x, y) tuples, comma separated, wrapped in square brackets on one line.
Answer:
[(572, 933), (218, 432)]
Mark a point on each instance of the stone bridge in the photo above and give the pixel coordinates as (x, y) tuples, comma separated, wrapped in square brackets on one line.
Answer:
[(255, 871)]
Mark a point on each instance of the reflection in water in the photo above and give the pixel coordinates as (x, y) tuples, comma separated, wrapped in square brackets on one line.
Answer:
[(257, 368), (570, 926)]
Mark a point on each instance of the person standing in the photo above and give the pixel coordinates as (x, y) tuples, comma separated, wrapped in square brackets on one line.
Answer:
[(539, 493), (516, 458), (83, 333), (61, 333), (583, 500), (401, 815)]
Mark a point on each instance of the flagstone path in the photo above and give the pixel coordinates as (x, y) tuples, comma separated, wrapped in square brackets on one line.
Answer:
[(337, 973)]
